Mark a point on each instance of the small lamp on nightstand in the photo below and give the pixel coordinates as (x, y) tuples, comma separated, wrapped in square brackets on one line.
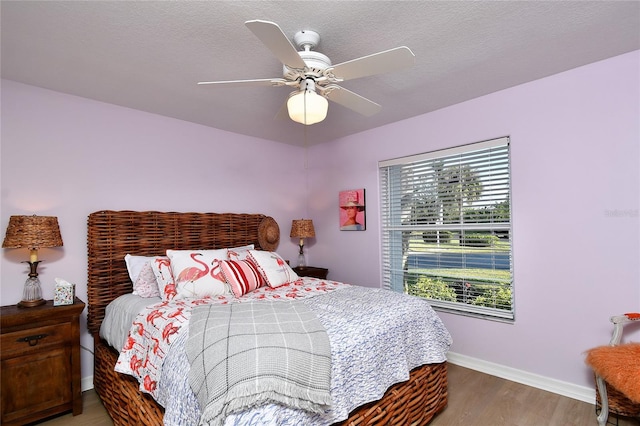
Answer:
[(302, 228), (32, 232)]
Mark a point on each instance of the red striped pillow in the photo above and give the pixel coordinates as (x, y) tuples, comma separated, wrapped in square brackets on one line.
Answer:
[(241, 275)]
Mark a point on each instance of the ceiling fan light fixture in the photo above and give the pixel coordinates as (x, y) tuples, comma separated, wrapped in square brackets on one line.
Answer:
[(306, 106)]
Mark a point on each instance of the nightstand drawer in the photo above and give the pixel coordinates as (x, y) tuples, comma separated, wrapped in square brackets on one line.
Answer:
[(24, 342)]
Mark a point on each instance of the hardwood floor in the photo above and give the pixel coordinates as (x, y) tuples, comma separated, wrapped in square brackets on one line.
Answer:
[(478, 399), (93, 414), (475, 399)]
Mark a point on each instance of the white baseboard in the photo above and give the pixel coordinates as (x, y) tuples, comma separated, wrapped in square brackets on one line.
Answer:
[(86, 383), (581, 393)]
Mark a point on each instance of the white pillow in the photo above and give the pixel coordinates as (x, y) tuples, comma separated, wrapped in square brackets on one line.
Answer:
[(274, 269), (135, 264), (197, 273)]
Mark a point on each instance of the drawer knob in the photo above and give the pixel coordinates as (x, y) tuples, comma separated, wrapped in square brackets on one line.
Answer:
[(33, 340)]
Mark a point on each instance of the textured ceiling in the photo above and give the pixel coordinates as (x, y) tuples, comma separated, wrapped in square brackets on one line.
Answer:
[(148, 55)]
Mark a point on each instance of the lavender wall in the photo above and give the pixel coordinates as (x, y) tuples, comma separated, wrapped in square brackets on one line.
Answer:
[(67, 156), (575, 196), (575, 156)]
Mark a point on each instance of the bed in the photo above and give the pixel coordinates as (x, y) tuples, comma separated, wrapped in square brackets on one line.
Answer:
[(114, 234)]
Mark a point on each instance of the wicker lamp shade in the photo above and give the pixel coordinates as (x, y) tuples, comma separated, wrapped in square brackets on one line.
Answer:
[(302, 228), (32, 232)]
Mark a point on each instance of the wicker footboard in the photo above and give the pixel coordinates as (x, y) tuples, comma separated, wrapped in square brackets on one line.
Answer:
[(119, 392), (415, 401)]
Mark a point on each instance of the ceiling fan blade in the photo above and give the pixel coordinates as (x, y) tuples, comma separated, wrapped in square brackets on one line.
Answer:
[(351, 100), (272, 36), (240, 83), (378, 63)]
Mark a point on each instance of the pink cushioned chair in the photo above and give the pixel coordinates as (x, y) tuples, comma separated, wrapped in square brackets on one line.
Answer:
[(617, 372)]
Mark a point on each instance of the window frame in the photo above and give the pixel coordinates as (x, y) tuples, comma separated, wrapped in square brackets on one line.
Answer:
[(400, 179)]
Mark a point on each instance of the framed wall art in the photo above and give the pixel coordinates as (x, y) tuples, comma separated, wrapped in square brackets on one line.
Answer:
[(352, 210)]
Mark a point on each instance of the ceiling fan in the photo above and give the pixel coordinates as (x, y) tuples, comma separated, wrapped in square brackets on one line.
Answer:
[(313, 76)]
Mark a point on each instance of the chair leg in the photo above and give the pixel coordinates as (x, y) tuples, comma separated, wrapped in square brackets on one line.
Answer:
[(604, 402)]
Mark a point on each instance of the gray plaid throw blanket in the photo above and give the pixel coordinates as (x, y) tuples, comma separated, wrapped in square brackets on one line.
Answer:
[(247, 354)]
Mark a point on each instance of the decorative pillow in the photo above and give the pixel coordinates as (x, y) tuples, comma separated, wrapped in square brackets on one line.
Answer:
[(135, 265), (197, 274), (274, 269), (240, 253), (161, 267), (146, 284), (242, 276)]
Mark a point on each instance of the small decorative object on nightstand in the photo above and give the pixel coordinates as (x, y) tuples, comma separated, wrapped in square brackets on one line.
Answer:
[(311, 271), (64, 293), (40, 361)]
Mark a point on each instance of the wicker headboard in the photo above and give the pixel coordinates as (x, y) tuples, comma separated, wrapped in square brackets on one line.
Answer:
[(113, 234)]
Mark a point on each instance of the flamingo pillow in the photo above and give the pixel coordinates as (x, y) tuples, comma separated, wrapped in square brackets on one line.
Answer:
[(161, 267), (239, 253), (197, 274), (274, 269)]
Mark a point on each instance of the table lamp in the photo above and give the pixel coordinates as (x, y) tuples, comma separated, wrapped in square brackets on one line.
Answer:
[(32, 232), (302, 228)]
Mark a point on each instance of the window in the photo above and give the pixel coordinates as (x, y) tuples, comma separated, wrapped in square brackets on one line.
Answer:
[(446, 228)]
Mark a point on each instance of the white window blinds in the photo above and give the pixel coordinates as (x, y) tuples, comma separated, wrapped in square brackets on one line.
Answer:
[(446, 228)]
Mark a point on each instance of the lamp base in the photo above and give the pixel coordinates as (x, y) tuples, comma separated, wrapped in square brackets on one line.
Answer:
[(31, 303), (301, 260), (32, 294)]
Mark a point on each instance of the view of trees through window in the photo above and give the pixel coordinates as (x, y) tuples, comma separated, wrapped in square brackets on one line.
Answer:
[(447, 229)]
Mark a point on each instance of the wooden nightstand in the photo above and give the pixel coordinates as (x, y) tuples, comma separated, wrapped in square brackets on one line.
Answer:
[(40, 356), (311, 271)]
